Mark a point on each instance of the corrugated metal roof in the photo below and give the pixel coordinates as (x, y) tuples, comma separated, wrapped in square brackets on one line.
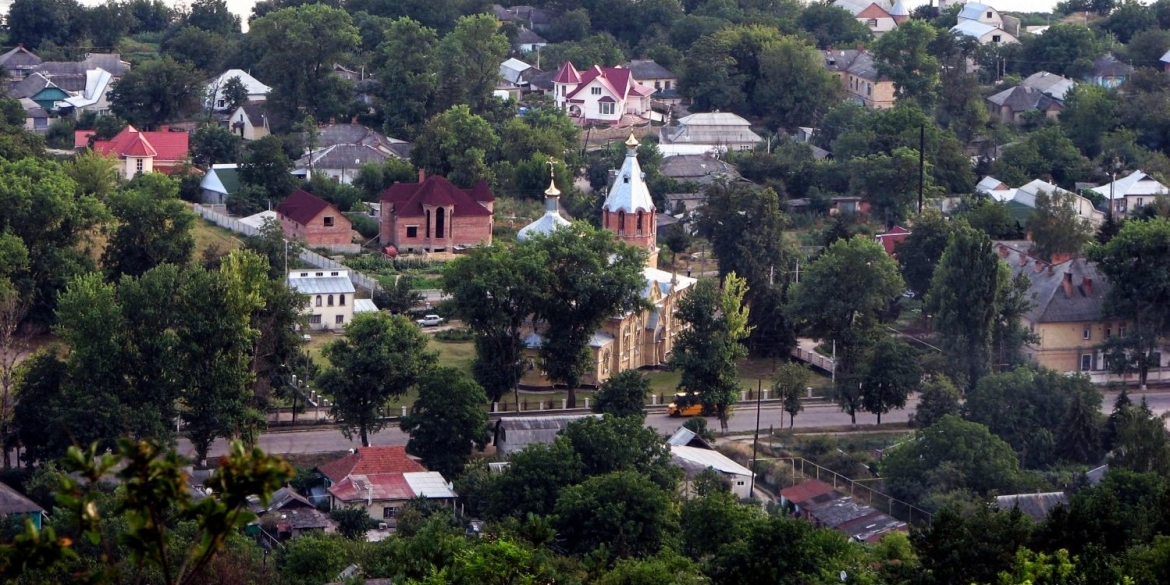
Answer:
[(364, 306), (429, 484), (696, 459), (1038, 506), (314, 285)]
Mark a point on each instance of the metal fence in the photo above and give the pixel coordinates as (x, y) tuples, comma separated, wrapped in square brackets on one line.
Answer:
[(309, 257), (886, 503)]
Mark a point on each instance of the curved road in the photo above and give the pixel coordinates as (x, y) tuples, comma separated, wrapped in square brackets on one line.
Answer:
[(815, 415)]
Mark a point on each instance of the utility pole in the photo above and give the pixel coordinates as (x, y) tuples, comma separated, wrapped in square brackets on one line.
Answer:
[(921, 163), (756, 440)]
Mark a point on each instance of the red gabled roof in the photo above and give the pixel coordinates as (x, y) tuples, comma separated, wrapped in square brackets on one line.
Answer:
[(371, 461), (873, 11), (131, 142), (805, 491), (480, 192), (302, 206), (408, 198), (567, 74), (615, 79)]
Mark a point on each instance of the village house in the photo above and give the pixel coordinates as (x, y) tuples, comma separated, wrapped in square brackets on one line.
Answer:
[(514, 433), (879, 16), (435, 216), (1131, 192), (214, 89), (891, 238), (18, 63), (381, 480), (647, 72), (715, 132), (140, 152), (1050, 84), (249, 122), (600, 94), (1021, 201), (986, 34), (640, 338), (1013, 105), (314, 221), (36, 118), (330, 297), (288, 515), (1109, 72), (529, 17), (342, 149), (1068, 315), (219, 183), (860, 80), (693, 455), (528, 41)]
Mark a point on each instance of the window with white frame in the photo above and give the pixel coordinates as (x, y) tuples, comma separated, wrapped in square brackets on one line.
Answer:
[(138, 164), (1087, 333), (606, 109), (1086, 362), (314, 319)]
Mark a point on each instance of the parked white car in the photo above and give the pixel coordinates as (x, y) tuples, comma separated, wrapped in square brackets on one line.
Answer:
[(430, 321)]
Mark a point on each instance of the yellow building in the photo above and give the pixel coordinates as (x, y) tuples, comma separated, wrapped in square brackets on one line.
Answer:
[(860, 80), (638, 339), (1067, 315)]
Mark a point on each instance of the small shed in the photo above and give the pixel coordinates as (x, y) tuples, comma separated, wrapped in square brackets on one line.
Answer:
[(16, 506), (694, 460), (514, 433)]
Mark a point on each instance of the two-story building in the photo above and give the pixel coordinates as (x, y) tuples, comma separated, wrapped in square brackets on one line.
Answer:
[(707, 133), (860, 80), (879, 16), (314, 221), (330, 293), (435, 216), (1131, 192), (600, 94), (140, 152)]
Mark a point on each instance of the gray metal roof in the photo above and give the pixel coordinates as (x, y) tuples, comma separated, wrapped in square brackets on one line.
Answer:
[(1054, 302), (317, 285), (517, 432), (1038, 506), (702, 168), (13, 502), (1022, 99), (1053, 85), (644, 69)]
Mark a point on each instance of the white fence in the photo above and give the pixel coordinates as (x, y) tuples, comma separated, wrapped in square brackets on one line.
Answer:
[(307, 256), (814, 358)]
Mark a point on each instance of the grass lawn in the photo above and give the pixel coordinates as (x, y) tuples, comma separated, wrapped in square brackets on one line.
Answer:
[(208, 234)]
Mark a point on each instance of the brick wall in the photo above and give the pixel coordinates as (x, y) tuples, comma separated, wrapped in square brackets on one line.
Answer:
[(466, 231), (316, 233)]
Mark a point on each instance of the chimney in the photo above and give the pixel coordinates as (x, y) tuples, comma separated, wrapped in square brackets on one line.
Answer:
[(1023, 259), (1060, 257), (1087, 284), (1003, 251), (1049, 270), (1068, 287), (353, 120), (1039, 266), (422, 175)]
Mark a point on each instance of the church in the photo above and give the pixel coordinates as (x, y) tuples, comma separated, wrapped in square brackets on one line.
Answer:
[(638, 339)]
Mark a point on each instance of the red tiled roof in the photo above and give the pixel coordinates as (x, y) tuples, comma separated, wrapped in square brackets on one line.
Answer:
[(615, 79), (408, 198), (81, 138), (806, 491), (165, 146), (567, 74), (302, 206), (370, 461)]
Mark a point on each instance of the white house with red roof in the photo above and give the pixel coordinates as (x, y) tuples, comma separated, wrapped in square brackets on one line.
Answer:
[(381, 480), (140, 152), (435, 216), (600, 94)]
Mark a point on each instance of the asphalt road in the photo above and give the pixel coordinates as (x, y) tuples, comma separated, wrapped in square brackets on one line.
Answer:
[(815, 415)]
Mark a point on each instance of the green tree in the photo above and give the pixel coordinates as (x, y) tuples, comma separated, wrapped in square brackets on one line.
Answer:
[(211, 144), (789, 384), (919, 253), (890, 376), (1056, 228), (42, 207), (624, 510), (1080, 436), (623, 394), (470, 59), (1089, 112), (456, 144), (95, 175), (1045, 152), (666, 567), (298, 48), (847, 316), (214, 16), (609, 444), (832, 26), (408, 77), (590, 276), (352, 522), (708, 348), (156, 92), (889, 183), (447, 419), (534, 478), (975, 548), (950, 454), (204, 50), (399, 297), (34, 22), (494, 290), (266, 168), (963, 302), (903, 56), (381, 358), (1136, 265), (1068, 51), (939, 398), (1140, 442), (746, 559), (152, 227)]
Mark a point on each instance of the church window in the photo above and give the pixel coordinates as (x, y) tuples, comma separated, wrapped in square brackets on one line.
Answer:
[(639, 232), (428, 223)]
